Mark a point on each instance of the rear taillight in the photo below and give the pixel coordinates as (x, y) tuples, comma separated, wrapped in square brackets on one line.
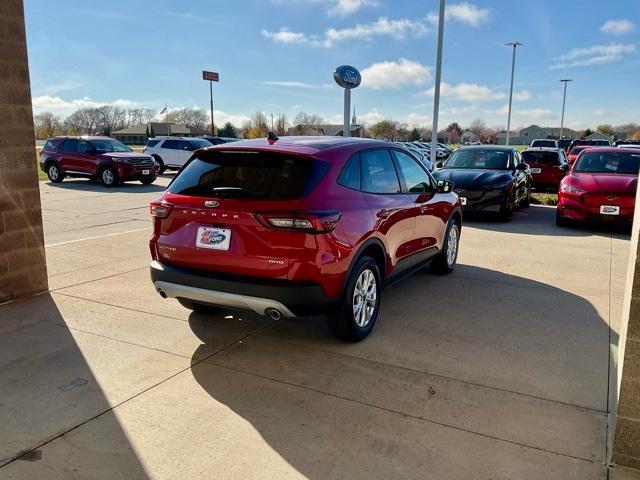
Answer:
[(312, 222), (160, 209)]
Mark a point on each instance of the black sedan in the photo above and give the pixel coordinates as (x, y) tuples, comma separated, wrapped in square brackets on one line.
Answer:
[(488, 179)]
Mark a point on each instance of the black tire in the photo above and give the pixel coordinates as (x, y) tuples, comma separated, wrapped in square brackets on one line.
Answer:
[(108, 177), (342, 322), (198, 307), (506, 212), (148, 181), (54, 172), (159, 164), (442, 264), (526, 202), (560, 220)]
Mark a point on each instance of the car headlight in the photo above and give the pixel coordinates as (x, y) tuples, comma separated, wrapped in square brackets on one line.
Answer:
[(567, 188)]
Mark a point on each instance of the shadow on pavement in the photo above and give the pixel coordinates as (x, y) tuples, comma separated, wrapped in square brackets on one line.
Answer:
[(47, 390), (541, 220), (477, 328), (92, 186)]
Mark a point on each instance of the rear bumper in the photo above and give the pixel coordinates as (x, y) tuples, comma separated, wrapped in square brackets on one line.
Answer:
[(291, 299)]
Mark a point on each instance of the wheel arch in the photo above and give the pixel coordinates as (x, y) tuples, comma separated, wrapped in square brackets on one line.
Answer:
[(374, 248)]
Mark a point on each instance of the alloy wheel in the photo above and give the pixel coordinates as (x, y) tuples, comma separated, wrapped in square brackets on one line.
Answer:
[(452, 245), (53, 173), (365, 296), (107, 177)]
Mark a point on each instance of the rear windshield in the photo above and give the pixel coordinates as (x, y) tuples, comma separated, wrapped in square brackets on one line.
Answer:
[(252, 175), (549, 158), (544, 143), (594, 162)]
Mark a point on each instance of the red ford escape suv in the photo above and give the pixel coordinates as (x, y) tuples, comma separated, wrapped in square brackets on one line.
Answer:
[(101, 158), (301, 226)]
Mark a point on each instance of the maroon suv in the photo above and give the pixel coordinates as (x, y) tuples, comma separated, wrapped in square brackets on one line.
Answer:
[(301, 226), (100, 158)]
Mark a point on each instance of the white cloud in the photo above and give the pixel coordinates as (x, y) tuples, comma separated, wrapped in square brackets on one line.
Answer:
[(617, 27), (469, 92), (417, 120), (220, 118), (336, 7), (464, 12), (383, 27), (290, 84), (59, 106), (596, 55), (394, 74), (452, 111), (285, 35), (346, 7), (524, 115), (523, 95)]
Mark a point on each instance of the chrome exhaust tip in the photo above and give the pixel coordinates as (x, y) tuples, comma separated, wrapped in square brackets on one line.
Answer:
[(274, 314), (162, 294)]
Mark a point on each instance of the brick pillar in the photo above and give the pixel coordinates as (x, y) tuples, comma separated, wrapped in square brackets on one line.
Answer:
[(23, 268), (626, 414)]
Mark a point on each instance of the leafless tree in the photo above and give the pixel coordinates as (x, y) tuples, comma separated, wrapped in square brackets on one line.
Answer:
[(47, 125), (191, 117), (478, 127), (281, 124)]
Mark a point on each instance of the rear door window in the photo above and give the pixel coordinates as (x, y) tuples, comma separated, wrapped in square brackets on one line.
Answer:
[(152, 143), (251, 175), (378, 172), (69, 145), (171, 144), (84, 146)]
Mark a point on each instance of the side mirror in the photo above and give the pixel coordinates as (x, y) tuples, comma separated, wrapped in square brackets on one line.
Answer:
[(523, 167), (445, 186), (439, 164), (565, 167)]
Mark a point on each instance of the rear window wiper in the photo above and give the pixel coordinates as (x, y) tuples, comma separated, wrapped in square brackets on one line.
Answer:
[(232, 191)]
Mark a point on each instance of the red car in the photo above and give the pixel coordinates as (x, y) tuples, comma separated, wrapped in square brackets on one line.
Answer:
[(575, 151), (601, 187), (301, 226), (99, 158), (548, 167)]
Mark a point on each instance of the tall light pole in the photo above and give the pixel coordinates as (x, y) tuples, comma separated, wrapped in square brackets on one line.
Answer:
[(436, 89), (564, 98), (513, 68)]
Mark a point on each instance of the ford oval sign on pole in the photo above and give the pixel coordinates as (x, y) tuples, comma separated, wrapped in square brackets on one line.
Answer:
[(347, 77)]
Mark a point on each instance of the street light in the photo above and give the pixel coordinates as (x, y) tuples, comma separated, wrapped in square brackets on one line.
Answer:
[(564, 98), (436, 89), (513, 66)]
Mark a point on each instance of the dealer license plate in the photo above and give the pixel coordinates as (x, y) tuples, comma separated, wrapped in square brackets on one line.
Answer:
[(215, 238), (609, 210)]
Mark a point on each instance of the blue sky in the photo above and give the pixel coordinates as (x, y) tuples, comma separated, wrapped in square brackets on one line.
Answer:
[(278, 56)]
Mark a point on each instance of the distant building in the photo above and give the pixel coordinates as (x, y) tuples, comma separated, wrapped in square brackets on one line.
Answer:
[(598, 136), (530, 133), (328, 129), (137, 135), (469, 136)]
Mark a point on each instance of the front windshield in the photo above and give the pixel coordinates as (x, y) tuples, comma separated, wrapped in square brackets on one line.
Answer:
[(200, 143), (479, 159), (606, 162), (107, 145)]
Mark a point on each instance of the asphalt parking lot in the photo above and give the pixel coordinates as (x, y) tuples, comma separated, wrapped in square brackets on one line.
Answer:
[(500, 370)]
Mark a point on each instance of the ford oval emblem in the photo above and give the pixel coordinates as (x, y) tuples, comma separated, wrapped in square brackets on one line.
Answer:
[(347, 76), (211, 203)]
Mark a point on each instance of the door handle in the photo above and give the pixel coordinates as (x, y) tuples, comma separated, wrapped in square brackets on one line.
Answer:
[(384, 214)]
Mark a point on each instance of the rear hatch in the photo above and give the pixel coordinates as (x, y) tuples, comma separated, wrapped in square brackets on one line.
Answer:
[(545, 166), (234, 211)]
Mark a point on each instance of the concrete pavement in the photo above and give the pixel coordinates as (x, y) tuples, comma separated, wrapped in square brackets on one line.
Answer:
[(499, 370)]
